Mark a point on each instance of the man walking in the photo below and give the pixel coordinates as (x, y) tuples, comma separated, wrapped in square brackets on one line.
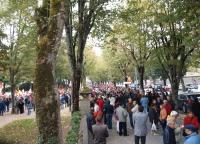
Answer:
[(100, 131), (122, 116), (108, 110), (140, 122)]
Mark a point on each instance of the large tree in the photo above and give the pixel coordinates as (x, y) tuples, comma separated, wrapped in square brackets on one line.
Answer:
[(136, 24), (78, 25), (175, 36), (50, 27), (19, 26)]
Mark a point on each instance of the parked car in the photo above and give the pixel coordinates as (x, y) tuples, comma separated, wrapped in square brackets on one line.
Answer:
[(185, 100)]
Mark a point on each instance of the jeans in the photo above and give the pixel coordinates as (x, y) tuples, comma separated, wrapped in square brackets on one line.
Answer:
[(7, 106), (163, 124), (145, 108), (122, 126), (131, 119), (29, 111), (138, 138), (109, 120), (1, 112)]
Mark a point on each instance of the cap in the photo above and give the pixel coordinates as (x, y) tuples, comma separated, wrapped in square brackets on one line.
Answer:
[(190, 127), (165, 101), (173, 113)]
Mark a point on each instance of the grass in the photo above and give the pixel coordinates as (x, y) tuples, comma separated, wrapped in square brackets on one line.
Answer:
[(23, 131)]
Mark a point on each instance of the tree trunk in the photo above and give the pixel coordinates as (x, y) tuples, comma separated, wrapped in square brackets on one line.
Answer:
[(164, 81), (174, 81), (175, 87), (83, 78), (4, 85), (75, 90), (50, 27), (183, 85), (141, 71), (12, 85)]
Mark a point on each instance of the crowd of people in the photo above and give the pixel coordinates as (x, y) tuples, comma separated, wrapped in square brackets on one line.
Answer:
[(147, 113), (24, 102)]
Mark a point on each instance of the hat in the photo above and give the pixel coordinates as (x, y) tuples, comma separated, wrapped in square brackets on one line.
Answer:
[(173, 113), (165, 101), (190, 127)]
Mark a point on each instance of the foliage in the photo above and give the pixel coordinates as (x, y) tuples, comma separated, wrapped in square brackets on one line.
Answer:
[(62, 64), (17, 23), (86, 90), (175, 37), (73, 134)]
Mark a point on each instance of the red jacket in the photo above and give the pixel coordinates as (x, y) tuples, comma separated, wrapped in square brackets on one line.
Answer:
[(191, 120), (99, 113), (101, 104), (168, 108)]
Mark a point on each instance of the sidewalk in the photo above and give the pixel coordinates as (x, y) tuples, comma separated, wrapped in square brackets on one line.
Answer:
[(114, 138), (8, 117)]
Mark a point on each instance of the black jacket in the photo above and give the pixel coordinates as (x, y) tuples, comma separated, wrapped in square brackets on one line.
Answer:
[(108, 109), (169, 136)]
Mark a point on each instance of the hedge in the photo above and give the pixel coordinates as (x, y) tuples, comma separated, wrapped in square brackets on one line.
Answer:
[(73, 134)]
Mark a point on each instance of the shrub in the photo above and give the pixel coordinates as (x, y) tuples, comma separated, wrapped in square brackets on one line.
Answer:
[(73, 134), (86, 90)]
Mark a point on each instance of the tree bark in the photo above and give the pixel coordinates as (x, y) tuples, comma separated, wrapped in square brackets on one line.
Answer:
[(175, 76), (50, 27), (164, 81), (141, 71), (75, 90), (175, 87), (12, 85)]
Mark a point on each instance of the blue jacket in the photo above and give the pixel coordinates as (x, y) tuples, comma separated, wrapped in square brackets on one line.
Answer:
[(144, 101), (194, 138)]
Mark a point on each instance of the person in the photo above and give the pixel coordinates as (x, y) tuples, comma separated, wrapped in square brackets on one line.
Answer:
[(100, 103), (178, 129), (134, 110), (29, 106), (153, 116), (100, 131), (191, 119), (7, 103), (109, 110), (2, 107), (122, 116), (163, 116), (129, 108), (196, 108), (191, 137), (169, 132), (66, 99), (171, 102), (145, 102), (140, 122), (62, 101), (21, 105), (92, 102), (90, 122), (167, 106), (96, 106)]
